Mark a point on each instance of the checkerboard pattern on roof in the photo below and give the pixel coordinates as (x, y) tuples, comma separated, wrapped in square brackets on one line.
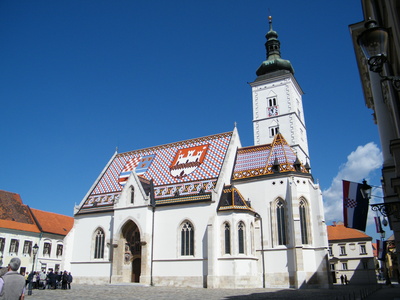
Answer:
[(159, 170), (283, 153), (259, 160), (252, 158)]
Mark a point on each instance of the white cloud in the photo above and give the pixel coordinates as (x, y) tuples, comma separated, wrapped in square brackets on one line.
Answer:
[(360, 164)]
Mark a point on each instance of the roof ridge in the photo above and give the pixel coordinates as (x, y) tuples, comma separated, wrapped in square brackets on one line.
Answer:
[(168, 145), (49, 212), (273, 144)]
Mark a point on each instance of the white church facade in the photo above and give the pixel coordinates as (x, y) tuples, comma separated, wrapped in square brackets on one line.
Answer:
[(207, 212)]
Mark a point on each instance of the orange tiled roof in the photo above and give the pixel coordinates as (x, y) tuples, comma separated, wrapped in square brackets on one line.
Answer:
[(340, 232), (19, 226), (53, 223), (14, 214)]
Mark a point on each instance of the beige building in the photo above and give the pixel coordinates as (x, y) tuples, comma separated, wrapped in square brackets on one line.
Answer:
[(22, 228), (350, 254)]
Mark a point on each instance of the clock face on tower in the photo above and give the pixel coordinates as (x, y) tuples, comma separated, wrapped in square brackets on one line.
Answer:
[(272, 111)]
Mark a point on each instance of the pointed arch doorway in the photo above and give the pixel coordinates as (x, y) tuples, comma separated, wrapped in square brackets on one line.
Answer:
[(133, 249)]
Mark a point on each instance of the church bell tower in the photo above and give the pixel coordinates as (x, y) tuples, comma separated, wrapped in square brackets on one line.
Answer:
[(277, 101)]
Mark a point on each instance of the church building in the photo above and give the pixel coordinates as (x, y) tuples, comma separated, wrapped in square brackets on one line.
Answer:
[(207, 212)]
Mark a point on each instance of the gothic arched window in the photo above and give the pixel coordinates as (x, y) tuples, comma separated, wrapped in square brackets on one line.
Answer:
[(241, 229), (99, 244), (303, 221), (132, 194), (281, 222), (227, 232), (187, 239)]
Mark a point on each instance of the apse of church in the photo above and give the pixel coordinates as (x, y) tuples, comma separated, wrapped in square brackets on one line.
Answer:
[(207, 212)]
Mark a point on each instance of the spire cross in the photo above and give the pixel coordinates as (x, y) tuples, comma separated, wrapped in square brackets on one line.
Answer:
[(270, 22)]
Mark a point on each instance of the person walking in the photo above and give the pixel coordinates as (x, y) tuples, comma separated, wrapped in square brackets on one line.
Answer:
[(69, 280), (42, 282), (12, 284), (51, 277), (64, 280)]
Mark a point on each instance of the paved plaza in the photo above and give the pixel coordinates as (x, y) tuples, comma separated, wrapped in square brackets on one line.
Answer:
[(135, 291)]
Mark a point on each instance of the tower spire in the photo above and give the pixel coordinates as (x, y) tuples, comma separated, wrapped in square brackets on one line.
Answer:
[(274, 61), (272, 45)]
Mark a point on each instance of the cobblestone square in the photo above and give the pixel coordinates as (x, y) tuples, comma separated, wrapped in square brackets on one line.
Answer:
[(135, 291)]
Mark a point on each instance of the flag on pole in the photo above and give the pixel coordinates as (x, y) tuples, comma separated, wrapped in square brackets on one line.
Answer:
[(378, 224), (381, 245), (355, 206)]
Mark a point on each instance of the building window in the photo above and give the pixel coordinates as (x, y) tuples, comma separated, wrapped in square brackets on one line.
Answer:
[(330, 250), (363, 250), (344, 266), (273, 130), (227, 238), (343, 250), (27, 247), (99, 244), (59, 250), (272, 101), (2, 244), (241, 237), (132, 194), (57, 268), (14, 245), (281, 222), (332, 267), (187, 239), (47, 249), (303, 221)]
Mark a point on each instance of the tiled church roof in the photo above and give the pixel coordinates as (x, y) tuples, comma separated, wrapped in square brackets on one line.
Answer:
[(266, 159), (232, 199), (185, 168)]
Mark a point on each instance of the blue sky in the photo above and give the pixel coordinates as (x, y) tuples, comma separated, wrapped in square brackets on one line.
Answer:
[(80, 78)]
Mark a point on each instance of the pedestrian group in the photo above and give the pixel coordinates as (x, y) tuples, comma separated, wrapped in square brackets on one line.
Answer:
[(13, 285), (49, 280)]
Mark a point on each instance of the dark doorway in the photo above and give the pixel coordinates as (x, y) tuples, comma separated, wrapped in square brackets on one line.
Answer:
[(133, 249), (334, 277), (136, 269)]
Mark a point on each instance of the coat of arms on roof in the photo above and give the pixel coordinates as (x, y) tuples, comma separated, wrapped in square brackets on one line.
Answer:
[(188, 160), (139, 164)]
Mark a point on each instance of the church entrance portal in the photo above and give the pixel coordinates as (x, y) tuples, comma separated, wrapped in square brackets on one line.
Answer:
[(133, 249)]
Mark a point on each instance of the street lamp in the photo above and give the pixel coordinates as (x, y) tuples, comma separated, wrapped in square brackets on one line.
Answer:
[(374, 44), (366, 190), (35, 250)]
